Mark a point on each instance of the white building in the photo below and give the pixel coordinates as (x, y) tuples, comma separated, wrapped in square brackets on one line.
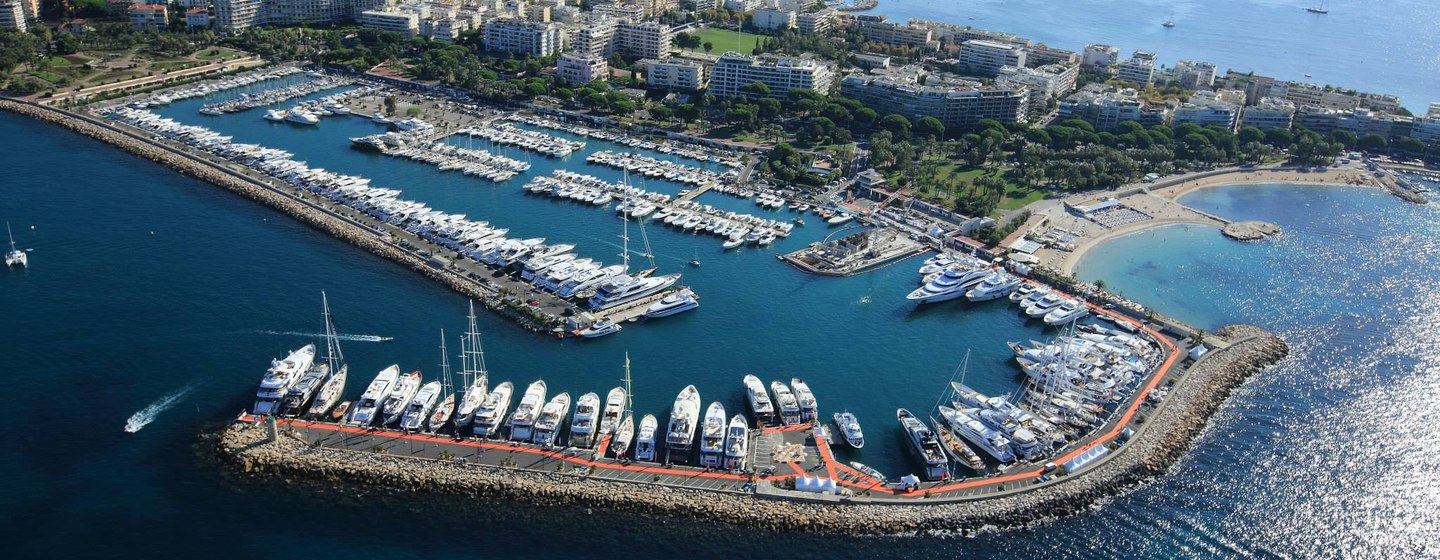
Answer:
[(197, 18), (150, 17), (1195, 74), (234, 15), (742, 5), (768, 18), (817, 22), (12, 15), (595, 38), (781, 74), (397, 20), (988, 57), (581, 69), (675, 73), (956, 102), (1098, 55), (532, 39), (1107, 106), (1270, 112), (1139, 68), (1209, 108), (1045, 83), (643, 39)]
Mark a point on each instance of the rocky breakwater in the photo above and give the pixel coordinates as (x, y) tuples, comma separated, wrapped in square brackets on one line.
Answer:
[(286, 200), (1163, 435)]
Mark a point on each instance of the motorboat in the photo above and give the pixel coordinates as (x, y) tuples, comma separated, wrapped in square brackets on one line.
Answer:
[(522, 422), (280, 377), (869, 471), (413, 420), (600, 328), (672, 304), (488, 417), (276, 115), (550, 419), (302, 118), (760, 405), (951, 284), (995, 286), (850, 429), (645, 449), (925, 446), (840, 219), (626, 288), (367, 410), (737, 443), (614, 409), (987, 439), (399, 399), (806, 399), (786, 402), (684, 419), (712, 436), (1044, 305), (1067, 312), (297, 399), (584, 422)]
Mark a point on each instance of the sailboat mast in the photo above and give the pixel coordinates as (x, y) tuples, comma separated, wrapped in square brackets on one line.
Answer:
[(477, 349), (624, 247), (11, 234), (960, 374), (444, 365), (332, 342), (629, 393)]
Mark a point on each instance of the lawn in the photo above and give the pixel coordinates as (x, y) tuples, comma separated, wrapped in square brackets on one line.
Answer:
[(216, 54), (1018, 197), (724, 40)]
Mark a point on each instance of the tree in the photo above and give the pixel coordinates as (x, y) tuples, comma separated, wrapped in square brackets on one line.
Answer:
[(389, 104), (1409, 145), (898, 125), (708, 47), (929, 127), (1374, 143), (1279, 137), (1250, 134), (1344, 138), (758, 89), (662, 113), (687, 112)]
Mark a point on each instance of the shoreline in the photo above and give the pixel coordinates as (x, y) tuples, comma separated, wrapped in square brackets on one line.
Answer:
[(1166, 435)]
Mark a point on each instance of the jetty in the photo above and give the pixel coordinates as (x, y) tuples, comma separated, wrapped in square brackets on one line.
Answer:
[(861, 249)]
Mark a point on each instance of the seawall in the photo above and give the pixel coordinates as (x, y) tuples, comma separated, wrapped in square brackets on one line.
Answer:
[(1162, 440), (300, 209)]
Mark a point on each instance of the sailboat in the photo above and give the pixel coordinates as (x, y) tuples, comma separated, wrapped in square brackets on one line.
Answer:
[(473, 373), (443, 411), (331, 390), (1170, 22), (1321, 9), (625, 432), (15, 257)]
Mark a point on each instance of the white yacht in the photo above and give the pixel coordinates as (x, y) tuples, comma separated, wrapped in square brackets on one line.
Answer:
[(1066, 313), (15, 257), (951, 284), (989, 440), (1043, 306), (600, 328), (550, 419), (626, 288), (806, 399), (582, 426), (925, 445), (367, 410), (328, 395), (282, 375), (996, 286), (624, 434), (522, 421), (399, 399), (418, 411), (684, 418), (614, 409), (490, 413), (677, 302), (276, 115), (712, 436), (302, 117), (470, 401), (737, 443), (850, 429), (760, 405), (645, 438), (785, 400)]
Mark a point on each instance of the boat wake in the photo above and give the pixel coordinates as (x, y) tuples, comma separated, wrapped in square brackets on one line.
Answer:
[(147, 415), (348, 337)]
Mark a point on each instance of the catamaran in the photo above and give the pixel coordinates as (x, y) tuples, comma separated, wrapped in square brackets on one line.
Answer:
[(367, 410), (550, 419), (712, 437), (737, 443), (522, 422), (330, 391), (15, 257), (282, 375), (399, 399), (490, 413), (684, 417), (582, 426)]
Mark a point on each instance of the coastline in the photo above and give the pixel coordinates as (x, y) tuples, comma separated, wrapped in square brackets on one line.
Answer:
[(1165, 436)]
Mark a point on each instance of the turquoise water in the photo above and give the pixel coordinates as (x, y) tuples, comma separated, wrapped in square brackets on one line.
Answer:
[(146, 283), (1385, 46)]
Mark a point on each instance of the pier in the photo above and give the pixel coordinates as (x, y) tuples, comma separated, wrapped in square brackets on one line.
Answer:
[(861, 251)]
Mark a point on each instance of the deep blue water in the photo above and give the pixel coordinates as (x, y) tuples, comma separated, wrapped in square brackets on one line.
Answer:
[(146, 283), (1385, 46)]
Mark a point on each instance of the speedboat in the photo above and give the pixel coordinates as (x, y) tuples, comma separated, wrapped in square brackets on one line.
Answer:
[(712, 436), (737, 443), (760, 405), (684, 418), (490, 413), (645, 438), (399, 399), (925, 445), (551, 417), (869, 471), (785, 400), (522, 422), (282, 375), (626, 288), (850, 428), (614, 408), (678, 302), (297, 399), (582, 427), (600, 328), (624, 434), (367, 410), (805, 398), (413, 420), (1066, 313)]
